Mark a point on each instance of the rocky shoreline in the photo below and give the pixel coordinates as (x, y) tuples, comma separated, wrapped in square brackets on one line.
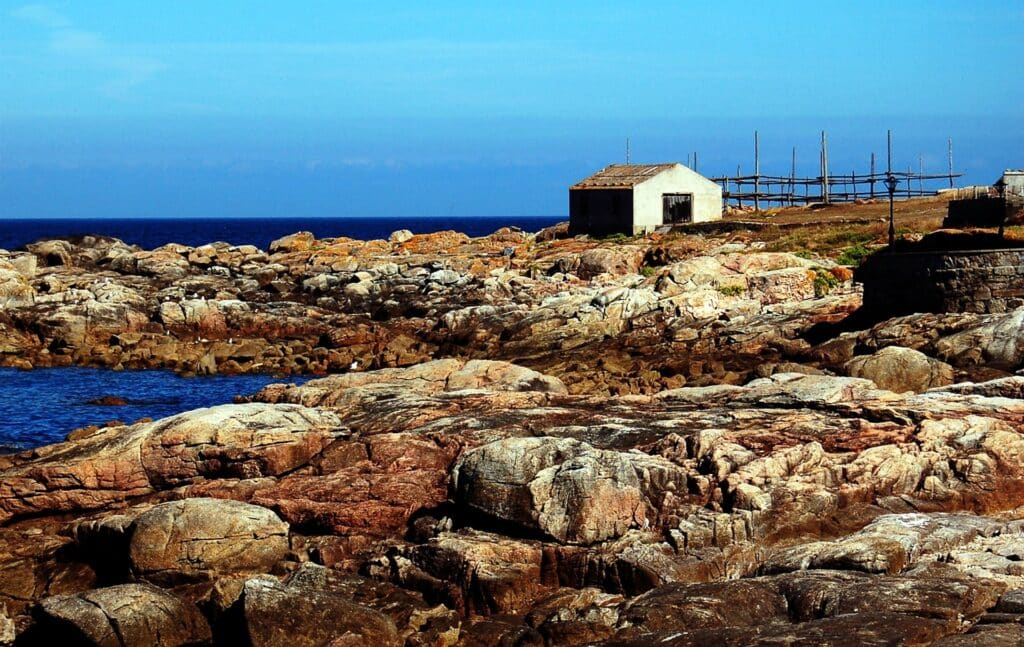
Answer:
[(522, 440)]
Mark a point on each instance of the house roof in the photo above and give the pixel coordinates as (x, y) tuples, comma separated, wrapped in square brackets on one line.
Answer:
[(621, 176)]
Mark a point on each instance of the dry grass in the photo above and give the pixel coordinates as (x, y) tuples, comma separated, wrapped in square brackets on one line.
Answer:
[(830, 231)]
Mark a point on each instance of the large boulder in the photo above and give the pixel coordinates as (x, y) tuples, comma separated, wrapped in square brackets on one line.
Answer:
[(900, 369), (997, 341), (126, 615), (298, 242), (561, 487), (52, 253), (610, 260), (502, 376), (197, 539), (473, 572)]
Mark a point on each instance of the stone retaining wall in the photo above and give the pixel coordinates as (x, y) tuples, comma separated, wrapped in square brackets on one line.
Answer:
[(984, 211), (943, 281)]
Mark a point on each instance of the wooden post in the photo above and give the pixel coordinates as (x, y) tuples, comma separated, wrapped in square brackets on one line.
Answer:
[(824, 168), (792, 177), (890, 186), (739, 186), (951, 162), (920, 177), (695, 161), (757, 174), (889, 156), (871, 182), (821, 170), (853, 178)]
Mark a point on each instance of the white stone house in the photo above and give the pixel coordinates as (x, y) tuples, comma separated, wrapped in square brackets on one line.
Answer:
[(639, 198), (1011, 182)]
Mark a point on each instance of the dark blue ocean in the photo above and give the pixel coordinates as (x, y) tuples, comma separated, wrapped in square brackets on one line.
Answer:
[(41, 406), (149, 233)]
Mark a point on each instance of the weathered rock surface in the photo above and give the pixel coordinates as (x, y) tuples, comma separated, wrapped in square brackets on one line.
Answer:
[(669, 459), (118, 464), (580, 311), (899, 369), (560, 486), (487, 489), (490, 491), (277, 615), (127, 615), (200, 538)]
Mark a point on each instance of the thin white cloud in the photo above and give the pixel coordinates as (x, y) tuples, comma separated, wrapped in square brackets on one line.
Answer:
[(42, 15), (90, 48)]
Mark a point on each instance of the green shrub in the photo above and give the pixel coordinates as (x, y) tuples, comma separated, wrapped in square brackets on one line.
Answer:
[(854, 255), (732, 290), (647, 270), (824, 282)]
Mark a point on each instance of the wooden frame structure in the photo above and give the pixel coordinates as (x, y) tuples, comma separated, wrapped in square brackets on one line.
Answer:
[(825, 187)]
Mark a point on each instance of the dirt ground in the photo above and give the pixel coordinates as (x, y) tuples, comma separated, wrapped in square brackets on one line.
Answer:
[(834, 230)]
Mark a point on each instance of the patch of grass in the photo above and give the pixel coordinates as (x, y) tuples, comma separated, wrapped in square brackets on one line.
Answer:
[(854, 255), (647, 270), (824, 282), (804, 253), (732, 290), (848, 237), (615, 238)]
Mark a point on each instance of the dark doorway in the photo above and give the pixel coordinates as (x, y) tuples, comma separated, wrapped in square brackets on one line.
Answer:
[(676, 208)]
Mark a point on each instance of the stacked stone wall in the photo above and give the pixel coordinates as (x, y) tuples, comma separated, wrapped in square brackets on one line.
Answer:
[(988, 281)]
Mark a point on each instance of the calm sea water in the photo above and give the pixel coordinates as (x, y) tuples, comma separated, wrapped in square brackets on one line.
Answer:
[(41, 406), (149, 233)]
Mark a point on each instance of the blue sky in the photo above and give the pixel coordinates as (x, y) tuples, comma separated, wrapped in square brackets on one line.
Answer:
[(189, 108)]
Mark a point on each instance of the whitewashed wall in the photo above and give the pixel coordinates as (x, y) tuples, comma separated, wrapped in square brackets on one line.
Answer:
[(647, 203)]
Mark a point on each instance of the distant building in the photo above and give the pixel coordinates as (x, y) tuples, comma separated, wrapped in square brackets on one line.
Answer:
[(996, 206), (639, 198), (1011, 182)]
